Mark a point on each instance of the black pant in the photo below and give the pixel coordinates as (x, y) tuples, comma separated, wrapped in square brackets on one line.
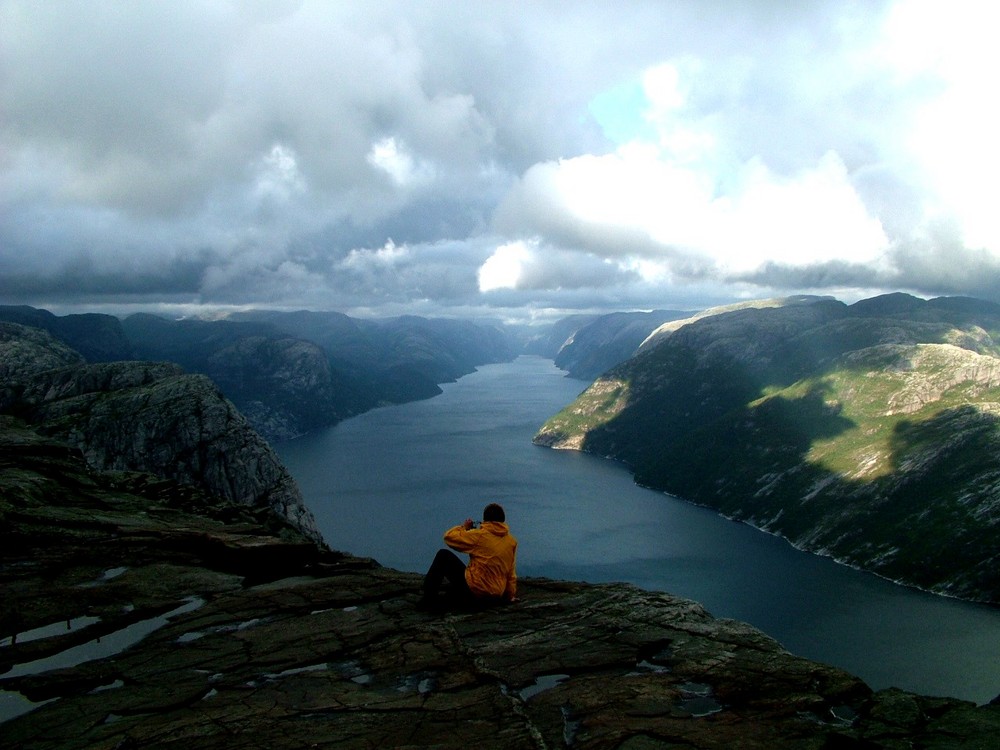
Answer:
[(447, 565)]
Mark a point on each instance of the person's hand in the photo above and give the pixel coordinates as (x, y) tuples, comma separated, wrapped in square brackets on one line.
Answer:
[(469, 523)]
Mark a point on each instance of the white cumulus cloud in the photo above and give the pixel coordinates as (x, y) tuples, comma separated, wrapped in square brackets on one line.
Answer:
[(505, 268)]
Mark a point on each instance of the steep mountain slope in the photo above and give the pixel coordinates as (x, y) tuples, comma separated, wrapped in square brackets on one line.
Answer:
[(545, 340), (610, 339), (870, 433), (286, 386), (428, 351), (142, 416)]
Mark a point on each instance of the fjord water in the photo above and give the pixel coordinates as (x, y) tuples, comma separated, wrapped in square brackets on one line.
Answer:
[(387, 484)]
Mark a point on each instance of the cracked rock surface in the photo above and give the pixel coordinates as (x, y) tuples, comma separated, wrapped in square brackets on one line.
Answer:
[(139, 613)]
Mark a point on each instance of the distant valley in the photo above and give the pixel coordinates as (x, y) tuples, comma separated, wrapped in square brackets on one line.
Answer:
[(292, 372)]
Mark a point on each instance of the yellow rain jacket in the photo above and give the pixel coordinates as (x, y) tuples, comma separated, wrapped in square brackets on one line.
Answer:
[(492, 551)]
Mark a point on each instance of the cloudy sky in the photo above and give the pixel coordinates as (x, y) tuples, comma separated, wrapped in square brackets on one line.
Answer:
[(494, 158)]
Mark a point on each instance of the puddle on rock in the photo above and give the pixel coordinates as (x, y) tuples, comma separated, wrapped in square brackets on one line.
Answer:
[(107, 575), (50, 631), (843, 715), (570, 727), (541, 684), (699, 707), (697, 699), (647, 667), (195, 635), (107, 645), (14, 704), (353, 671), (421, 683), (110, 686), (322, 667)]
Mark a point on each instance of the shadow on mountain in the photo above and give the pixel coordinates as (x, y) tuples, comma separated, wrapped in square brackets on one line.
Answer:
[(920, 521), (941, 523), (732, 455)]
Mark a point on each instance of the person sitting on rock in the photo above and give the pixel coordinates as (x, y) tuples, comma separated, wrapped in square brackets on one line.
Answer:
[(491, 575)]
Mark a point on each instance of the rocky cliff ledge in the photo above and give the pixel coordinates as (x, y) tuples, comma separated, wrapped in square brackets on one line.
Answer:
[(144, 416), (138, 612)]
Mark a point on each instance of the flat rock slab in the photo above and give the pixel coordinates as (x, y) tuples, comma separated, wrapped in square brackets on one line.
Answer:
[(347, 659)]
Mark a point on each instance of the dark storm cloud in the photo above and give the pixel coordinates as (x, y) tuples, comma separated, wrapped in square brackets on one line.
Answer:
[(941, 264)]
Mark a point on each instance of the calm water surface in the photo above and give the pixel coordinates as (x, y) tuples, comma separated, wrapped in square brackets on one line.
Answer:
[(388, 483)]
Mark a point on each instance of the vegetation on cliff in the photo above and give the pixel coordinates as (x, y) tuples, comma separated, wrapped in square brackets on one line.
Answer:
[(870, 433)]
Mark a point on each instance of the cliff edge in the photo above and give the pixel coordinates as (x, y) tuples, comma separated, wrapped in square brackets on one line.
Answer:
[(142, 613)]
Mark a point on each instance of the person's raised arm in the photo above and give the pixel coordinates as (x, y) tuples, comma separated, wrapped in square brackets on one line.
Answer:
[(459, 537)]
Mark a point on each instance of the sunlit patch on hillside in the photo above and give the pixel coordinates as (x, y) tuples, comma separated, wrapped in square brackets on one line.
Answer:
[(604, 400), (859, 454), (881, 390)]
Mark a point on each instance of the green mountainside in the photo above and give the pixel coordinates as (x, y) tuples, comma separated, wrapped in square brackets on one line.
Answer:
[(869, 433)]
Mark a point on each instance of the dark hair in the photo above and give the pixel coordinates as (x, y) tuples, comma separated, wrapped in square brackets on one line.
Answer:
[(494, 512)]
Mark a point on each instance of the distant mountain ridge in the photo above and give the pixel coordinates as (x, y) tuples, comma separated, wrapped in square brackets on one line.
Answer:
[(547, 340), (587, 345), (290, 373), (294, 372), (99, 338), (869, 432), (438, 350)]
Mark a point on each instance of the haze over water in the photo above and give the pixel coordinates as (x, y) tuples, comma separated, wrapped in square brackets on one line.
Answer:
[(388, 483)]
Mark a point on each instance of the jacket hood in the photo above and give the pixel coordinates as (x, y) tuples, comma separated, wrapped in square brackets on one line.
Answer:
[(498, 528)]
